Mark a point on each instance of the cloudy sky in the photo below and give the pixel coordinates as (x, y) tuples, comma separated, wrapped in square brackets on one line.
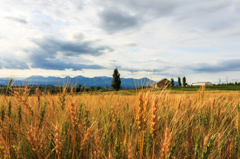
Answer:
[(153, 38)]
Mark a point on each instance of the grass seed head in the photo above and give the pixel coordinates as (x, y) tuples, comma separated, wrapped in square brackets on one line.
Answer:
[(58, 142), (154, 118), (140, 112), (86, 138)]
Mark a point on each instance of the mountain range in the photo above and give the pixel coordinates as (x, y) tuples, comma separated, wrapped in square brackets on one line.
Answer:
[(126, 83)]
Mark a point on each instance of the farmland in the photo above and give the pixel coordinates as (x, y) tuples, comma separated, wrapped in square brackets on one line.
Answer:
[(123, 124)]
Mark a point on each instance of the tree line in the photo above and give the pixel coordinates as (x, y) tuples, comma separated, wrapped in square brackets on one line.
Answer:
[(179, 82)]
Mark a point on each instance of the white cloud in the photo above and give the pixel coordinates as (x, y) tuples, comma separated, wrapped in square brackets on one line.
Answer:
[(161, 35)]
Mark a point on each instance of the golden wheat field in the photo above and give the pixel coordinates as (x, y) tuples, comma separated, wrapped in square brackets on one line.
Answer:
[(157, 125)]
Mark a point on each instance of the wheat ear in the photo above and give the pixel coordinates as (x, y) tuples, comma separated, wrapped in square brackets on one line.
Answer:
[(58, 142), (86, 138), (23, 102), (73, 115)]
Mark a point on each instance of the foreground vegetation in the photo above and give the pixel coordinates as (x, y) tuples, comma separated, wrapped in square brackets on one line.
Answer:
[(146, 125)]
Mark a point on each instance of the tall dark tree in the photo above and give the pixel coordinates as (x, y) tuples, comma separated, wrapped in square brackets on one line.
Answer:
[(79, 88), (172, 82), (116, 81), (184, 81), (91, 88), (179, 81)]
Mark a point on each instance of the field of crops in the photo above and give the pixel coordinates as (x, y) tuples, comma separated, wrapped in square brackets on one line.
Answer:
[(157, 124)]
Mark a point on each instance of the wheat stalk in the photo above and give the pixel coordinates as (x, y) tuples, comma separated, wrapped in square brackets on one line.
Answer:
[(33, 141), (71, 91), (99, 147), (38, 97), (5, 147), (130, 151)]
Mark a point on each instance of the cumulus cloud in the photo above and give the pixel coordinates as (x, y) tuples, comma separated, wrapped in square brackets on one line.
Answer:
[(13, 64), (144, 66), (145, 8), (160, 35), (208, 15), (46, 24), (115, 19), (129, 44), (131, 14), (50, 45), (217, 66), (48, 48)]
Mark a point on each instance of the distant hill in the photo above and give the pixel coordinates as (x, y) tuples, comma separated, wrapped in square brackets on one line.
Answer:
[(84, 81)]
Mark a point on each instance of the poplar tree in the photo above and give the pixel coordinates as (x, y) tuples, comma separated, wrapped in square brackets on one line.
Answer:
[(116, 81), (172, 82), (179, 81), (184, 81)]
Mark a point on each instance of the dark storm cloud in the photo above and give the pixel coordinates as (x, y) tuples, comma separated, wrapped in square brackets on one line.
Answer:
[(45, 55), (114, 19), (219, 66), (19, 20)]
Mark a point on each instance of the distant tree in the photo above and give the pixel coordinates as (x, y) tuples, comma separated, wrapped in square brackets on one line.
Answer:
[(79, 88), (184, 81), (106, 86), (83, 88), (172, 82), (97, 88), (116, 81), (179, 81), (91, 88)]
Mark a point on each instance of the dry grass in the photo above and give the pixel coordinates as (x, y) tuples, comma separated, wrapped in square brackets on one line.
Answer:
[(146, 125)]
